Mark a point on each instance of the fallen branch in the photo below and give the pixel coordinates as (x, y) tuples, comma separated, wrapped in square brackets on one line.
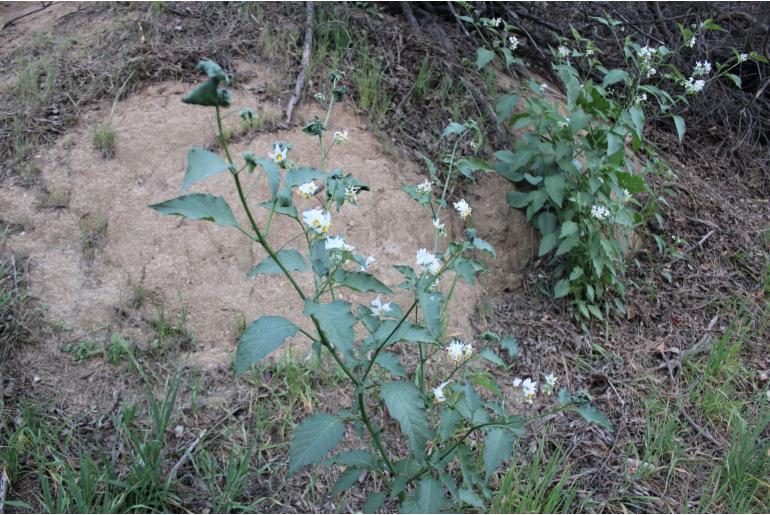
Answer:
[(45, 6), (310, 13)]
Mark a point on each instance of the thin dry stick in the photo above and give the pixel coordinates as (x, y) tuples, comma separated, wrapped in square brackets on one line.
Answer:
[(4, 482), (310, 13)]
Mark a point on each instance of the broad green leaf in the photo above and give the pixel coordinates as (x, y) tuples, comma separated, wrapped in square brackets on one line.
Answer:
[(428, 498), (614, 76), (201, 164), (362, 282), (315, 436), (450, 419), (594, 310), (593, 415), (390, 362), (407, 332), (262, 337), (431, 304), (373, 502), (736, 80), (319, 257), (547, 244), (490, 355), (273, 173), (505, 106), (358, 458), (483, 57), (511, 346), (453, 128), (568, 228), (199, 206), (468, 496), (632, 182), (568, 244), (546, 222), (281, 205), (290, 259), (518, 199), (483, 245), (554, 185), (345, 481), (336, 320), (680, 126), (498, 446), (561, 288), (637, 117), (405, 404), (614, 143), (300, 176), (537, 200), (208, 94)]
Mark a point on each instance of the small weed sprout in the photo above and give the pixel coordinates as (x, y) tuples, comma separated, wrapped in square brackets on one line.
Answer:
[(103, 139), (437, 403)]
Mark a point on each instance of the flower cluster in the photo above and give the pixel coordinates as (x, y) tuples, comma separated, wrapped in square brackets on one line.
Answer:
[(427, 261), (459, 350), (425, 187), (513, 43), (701, 68), (379, 309), (693, 87), (463, 209), (338, 243), (528, 388), (438, 391), (318, 220), (341, 137), (307, 190), (600, 212), (563, 51)]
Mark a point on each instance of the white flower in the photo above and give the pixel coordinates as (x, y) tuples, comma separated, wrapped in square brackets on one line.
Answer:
[(641, 98), (367, 263), (467, 350), (427, 261), (651, 72), (550, 384), (517, 382), (563, 51), (645, 53), (529, 389), (341, 137), (350, 193), (589, 51), (438, 392), (379, 309), (513, 42), (338, 243), (440, 228), (543, 87), (425, 186), (318, 220), (320, 97), (463, 209), (691, 42), (493, 22), (308, 189), (455, 349), (702, 68), (693, 87), (742, 58), (626, 195), (278, 155), (600, 212)]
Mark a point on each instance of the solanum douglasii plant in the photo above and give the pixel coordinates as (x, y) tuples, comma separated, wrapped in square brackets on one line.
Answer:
[(460, 424), (573, 157)]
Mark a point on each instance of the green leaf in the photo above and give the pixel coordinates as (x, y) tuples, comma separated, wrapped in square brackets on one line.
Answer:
[(680, 126), (567, 228), (483, 245), (201, 164), (361, 282), (199, 206), (213, 70), (428, 498), (614, 76), (637, 117), (407, 332), (483, 57), (595, 311), (390, 362), (281, 205), (518, 199), (405, 404), (358, 458), (498, 446), (511, 346), (208, 94), (300, 176), (447, 426), (632, 182), (547, 244), (593, 415), (554, 185), (505, 106), (614, 143), (319, 257), (468, 496), (431, 304), (261, 338), (490, 355), (568, 244), (291, 259), (313, 439), (560, 289), (345, 481), (273, 173), (336, 320), (453, 128), (373, 502)]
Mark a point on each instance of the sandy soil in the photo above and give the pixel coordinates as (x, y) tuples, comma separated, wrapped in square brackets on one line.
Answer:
[(200, 265)]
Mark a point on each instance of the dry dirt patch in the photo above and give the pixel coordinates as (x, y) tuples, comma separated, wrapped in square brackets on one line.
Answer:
[(200, 265)]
